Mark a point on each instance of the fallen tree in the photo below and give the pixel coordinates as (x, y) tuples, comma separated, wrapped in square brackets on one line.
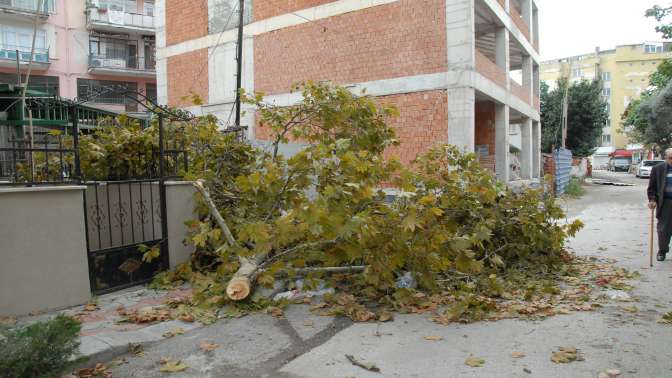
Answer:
[(323, 210), (451, 230)]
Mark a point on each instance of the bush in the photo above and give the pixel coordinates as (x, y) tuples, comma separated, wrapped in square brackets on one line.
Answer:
[(574, 188), (43, 349)]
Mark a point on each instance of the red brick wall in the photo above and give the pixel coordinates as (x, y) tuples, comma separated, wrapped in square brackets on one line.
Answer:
[(485, 131), (395, 40), (187, 73), (185, 20), (489, 69), (521, 92), (271, 8), (518, 20), (421, 124)]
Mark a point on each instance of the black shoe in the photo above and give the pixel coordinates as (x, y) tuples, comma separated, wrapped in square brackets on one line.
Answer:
[(660, 256)]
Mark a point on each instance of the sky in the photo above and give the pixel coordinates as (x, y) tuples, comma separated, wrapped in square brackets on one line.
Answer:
[(574, 27)]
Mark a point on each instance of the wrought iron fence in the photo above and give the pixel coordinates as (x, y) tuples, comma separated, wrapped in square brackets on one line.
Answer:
[(41, 162)]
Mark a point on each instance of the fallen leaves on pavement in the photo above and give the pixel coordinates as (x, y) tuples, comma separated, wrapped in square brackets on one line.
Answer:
[(474, 361), (136, 349), (433, 338), (666, 319), (99, 371), (171, 366), (143, 316), (173, 332), (517, 355), (207, 346), (363, 365), (609, 373), (566, 355)]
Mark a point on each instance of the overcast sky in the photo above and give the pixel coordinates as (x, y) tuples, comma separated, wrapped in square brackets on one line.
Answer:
[(574, 27)]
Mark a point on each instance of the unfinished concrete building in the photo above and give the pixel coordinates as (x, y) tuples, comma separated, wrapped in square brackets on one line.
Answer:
[(463, 72)]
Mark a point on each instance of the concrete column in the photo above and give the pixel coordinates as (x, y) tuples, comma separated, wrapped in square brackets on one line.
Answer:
[(461, 34), (527, 150), (462, 118), (535, 26), (528, 76), (536, 149), (507, 5), (502, 142), (502, 54), (461, 43), (536, 84)]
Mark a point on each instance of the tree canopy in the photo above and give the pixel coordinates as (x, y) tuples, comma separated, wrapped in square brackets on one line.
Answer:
[(586, 116), (659, 13)]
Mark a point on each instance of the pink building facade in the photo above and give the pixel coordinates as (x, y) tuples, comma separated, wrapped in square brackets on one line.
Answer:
[(82, 48)]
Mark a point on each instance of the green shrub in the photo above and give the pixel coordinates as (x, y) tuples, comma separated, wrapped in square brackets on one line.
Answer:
[(43, 349), (574, 188)]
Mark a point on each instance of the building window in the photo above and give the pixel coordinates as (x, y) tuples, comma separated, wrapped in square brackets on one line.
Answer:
[(28, 5), (576, 72), (103, 92), (606, 92), (608, 106), (151, 91), (21, 38), (606, 76), (148, 8), (45, 84), (653, 49), (606, 139)]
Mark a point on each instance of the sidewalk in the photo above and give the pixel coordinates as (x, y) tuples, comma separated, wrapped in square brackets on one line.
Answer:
[(105, 335)]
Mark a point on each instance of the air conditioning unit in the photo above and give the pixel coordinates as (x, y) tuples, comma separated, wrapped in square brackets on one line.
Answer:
[(95, 62)]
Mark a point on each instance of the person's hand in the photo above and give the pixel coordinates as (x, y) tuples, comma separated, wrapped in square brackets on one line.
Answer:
[(652, 205)]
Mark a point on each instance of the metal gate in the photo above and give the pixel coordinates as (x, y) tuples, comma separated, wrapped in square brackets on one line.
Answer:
[(122, 217)]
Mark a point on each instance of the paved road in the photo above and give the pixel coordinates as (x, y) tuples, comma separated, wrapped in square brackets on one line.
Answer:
[(616, 226)]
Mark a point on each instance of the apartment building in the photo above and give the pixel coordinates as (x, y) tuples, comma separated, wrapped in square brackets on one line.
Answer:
[(81, 46), (459, 71), (624, 72)]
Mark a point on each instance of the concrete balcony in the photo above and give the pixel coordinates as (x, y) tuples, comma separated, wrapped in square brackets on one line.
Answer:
[(118, 21), (122, 66), (520, 91), (486, 67), (8, 56)]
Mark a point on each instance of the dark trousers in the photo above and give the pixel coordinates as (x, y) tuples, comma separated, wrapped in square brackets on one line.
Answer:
[(665, 226)]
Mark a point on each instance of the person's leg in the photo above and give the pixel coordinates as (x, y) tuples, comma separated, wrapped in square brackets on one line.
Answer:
[(664, 230)]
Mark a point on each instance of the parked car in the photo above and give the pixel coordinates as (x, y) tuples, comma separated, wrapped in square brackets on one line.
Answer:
[(619, 164), (644, 167)]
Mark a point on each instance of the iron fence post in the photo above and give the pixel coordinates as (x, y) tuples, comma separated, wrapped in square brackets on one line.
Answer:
[(162, 190), (75, 141)]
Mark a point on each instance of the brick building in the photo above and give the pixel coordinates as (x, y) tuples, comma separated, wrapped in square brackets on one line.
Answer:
[(460, 71)]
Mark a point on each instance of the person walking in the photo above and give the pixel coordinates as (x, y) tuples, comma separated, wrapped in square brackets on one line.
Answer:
[(659, 192)]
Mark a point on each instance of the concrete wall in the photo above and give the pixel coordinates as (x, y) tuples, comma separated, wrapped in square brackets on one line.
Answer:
[(43, 255), (180, 205), (43, 261)]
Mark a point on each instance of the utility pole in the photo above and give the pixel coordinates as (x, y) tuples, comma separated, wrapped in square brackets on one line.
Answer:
[(565, 106), (239, 73)]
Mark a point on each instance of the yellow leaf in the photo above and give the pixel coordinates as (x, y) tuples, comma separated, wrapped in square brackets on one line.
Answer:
[(176, 331), (207, 346), (173, 366), (385, 316), (474, 362), (517, 354), (433, 338)]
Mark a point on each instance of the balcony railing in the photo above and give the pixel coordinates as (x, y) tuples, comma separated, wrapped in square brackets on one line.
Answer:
[(9, 52), (29, 6), (122, 62), (118, 19)]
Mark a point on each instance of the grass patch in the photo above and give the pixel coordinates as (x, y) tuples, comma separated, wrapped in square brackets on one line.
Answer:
[(42, 349), (574, 188)]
